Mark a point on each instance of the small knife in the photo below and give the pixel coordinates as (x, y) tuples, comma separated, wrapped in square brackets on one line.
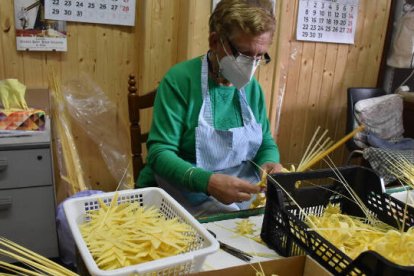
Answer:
[(235, 252), (232, 250)]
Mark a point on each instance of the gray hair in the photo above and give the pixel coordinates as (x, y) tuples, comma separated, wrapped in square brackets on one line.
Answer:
[(253, 17)]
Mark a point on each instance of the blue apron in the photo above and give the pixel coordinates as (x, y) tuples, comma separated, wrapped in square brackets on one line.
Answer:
[(221, 151)]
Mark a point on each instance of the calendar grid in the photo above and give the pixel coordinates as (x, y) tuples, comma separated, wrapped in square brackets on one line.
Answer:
[(327, 20), (116, 12)]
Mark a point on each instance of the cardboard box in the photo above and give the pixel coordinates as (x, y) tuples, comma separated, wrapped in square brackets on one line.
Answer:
[(291, 266)]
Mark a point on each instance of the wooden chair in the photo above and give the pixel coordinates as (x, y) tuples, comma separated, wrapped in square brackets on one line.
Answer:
[(137, 103)]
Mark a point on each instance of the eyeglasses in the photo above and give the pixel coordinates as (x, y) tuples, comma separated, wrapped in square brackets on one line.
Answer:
[(262, 59)]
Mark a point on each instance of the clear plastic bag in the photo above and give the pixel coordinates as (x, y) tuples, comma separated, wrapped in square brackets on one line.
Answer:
[(96, 114)]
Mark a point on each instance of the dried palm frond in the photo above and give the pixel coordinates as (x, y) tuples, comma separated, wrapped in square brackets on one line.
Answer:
[(317, 150), (36, 264), (72, 164)]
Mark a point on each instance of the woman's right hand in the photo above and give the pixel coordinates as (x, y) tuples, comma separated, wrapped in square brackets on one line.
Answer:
[(229, 189)]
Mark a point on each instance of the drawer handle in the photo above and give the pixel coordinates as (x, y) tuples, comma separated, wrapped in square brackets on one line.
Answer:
[(5, 203), (3, 163)]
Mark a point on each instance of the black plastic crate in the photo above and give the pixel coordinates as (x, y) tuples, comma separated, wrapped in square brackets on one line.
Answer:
[(284, 230)]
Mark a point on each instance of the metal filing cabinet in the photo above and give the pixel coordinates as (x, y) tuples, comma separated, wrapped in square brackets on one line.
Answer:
[(27, 197)]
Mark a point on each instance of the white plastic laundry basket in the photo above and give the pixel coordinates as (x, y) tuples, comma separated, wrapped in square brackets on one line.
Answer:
[(185, 263)]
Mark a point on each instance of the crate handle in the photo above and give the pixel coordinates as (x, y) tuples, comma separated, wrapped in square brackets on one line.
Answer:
[(3, 163), (5, 203)]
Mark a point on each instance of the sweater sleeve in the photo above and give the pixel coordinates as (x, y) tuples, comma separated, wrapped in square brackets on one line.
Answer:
[(171, 106)]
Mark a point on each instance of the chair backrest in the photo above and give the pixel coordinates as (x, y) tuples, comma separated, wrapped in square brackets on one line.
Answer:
[(136, 103), (356, 94)]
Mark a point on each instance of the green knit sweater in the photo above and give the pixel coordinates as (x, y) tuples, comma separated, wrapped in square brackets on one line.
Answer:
[(171, 141)]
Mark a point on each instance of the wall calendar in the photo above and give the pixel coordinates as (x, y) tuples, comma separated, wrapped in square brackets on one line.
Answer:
[(117, 12), (327, 20)]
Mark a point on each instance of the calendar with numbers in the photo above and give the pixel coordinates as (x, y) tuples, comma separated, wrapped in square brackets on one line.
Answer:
[(117, 12), (327, 20)]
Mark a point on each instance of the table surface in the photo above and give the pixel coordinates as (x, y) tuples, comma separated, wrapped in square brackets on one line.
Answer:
[(225, 231)]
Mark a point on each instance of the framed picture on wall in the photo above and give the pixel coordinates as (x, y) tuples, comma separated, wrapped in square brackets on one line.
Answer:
[(34, 32)]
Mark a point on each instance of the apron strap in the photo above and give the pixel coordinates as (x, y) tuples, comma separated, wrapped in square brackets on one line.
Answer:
[(206, 113)]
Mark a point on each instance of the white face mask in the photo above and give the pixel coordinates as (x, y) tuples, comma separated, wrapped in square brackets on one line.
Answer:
[(239, 71)]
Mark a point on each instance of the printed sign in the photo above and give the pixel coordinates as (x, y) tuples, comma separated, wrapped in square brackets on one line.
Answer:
[(34, 32)]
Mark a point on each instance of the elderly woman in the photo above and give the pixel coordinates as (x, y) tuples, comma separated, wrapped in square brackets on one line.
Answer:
[(210, 139)]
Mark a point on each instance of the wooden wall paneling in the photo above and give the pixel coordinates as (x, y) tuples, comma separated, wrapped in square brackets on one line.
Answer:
[(144, 48), (159, 42), (160, 34), (105, 56), (340, 71), (5, 27), (142, 42), (293, 102), (312, 121), (53, 61), (290, 108), (155, 32), (12, 60), (292, 52), (297, 134), (377, 43), (97, 53), (34, 62), (366, 65), (336, 97), (345, 56), (69, 69), (335, 116), (105, 59), (186, 28), (119, 61), (193, 29), (370, 72), (351, 73), (84, 66), (265, 75), (327, 114), (85, 54), (199, 36), (71, 61), (285, 21), (126, 51), (368, 30), (163, 37)]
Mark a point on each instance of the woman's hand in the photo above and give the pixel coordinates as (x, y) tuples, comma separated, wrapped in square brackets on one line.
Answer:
[(228, 189), (271, 168)]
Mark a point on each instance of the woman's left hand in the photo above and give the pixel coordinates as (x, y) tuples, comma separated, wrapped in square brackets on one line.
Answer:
[(271, 168)]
